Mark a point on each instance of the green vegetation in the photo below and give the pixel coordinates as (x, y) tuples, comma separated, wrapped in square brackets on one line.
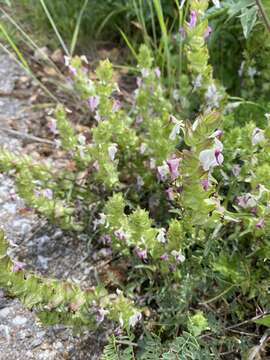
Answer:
[(196, 138)]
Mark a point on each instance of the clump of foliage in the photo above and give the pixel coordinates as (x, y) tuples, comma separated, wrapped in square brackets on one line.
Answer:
[(184, 203), (99, 20)]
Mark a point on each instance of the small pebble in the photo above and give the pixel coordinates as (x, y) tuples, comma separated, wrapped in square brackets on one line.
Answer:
[(19, 321), (4, 312)]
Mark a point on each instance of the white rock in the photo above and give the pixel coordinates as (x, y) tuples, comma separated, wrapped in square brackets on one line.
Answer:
[(19, 321)]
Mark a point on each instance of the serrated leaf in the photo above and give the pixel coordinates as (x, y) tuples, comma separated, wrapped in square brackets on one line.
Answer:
[(236, 7), (248, 19)]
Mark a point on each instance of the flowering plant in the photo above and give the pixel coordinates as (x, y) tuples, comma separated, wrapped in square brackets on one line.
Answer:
[(184, 203)]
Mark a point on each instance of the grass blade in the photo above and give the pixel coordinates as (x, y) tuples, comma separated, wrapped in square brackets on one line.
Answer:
[(77, 28), (108, 17), (164, 38), (131, 48), (14, 47), (46, 10)]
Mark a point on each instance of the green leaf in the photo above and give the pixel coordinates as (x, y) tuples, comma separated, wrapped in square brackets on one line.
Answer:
[(235, 8), (248, 19), (264, 321)]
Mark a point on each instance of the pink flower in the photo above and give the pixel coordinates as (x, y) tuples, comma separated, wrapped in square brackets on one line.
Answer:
[(211, 158), (116, 106), (142, 254), (217, 134), (53, 126), (260, 224), (182, 32), (205, 184), (101, 313), (179, 257), (246, 201), (72, 70), (134, 319), (157, 72), (106, 239), (120, 234), (47, 193), (207, 32), (96, 165), (163, 171), (170, 194), (173, 167), (193, 19), (18, 266), (164, 257), (93, 103)]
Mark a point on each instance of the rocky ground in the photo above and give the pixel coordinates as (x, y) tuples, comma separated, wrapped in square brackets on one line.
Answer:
[(43, 248)]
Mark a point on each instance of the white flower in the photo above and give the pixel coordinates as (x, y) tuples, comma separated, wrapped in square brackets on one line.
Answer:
[(212, 96), (53, 126), (161, 237), (197, 83), (47, 193), (134, 319), (241, 69), (246, 201), (121, 234), (195, 124), (101, 315), (182, 4), (211, 158), (175, 131), (163, 171), (145, 73), (57, 143), (93, 102), (82, 139), (179, 257), (101, 221), (178, 125), (140, 181), (257, 136), (152, 163), (67, 60), (84, 59), (252, 71), (176, 95), (216, 3), (143, 147), (112, 150)]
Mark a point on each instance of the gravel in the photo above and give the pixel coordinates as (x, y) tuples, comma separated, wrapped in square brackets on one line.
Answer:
[(44, 248)]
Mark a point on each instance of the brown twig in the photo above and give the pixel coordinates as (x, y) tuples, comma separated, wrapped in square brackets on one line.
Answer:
[(26, 136), (246, 321)]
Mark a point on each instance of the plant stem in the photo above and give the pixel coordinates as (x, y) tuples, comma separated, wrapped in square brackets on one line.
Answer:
[(263, 14)]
